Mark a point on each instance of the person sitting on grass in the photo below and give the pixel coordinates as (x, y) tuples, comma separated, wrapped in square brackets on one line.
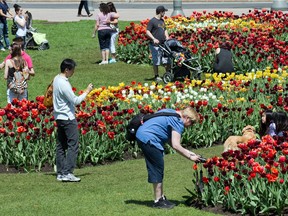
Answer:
[(273, 123)]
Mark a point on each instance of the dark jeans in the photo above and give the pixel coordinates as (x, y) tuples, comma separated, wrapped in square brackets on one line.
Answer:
[(67, 146), (85, 4), (154, 162), (104, 37)]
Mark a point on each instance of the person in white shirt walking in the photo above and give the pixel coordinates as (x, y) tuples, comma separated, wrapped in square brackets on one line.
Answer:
[(64, 102)]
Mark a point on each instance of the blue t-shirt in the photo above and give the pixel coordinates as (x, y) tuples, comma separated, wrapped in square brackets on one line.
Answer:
[(4, 7), (157, 131)]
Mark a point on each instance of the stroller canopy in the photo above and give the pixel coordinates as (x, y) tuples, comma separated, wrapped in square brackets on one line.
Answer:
[(174, 45)]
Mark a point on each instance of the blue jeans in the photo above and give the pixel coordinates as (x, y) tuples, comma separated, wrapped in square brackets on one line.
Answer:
[(4, 36), (67, 146)]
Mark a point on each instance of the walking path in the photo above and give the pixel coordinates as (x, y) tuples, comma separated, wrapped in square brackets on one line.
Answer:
[(59, 12)]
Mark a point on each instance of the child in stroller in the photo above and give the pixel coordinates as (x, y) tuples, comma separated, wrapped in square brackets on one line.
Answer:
[(182, 62), (34, 40)]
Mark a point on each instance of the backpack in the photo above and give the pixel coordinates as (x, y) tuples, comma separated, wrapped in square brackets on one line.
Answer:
[(48, 97), (139, 119), (19, 83)]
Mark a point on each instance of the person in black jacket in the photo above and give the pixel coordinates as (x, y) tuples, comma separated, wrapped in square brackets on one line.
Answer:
[(223, 61)]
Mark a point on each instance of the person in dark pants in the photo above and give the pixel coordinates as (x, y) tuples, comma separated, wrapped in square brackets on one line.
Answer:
[(223, 60), (64, 102), (151, 138), (85, 4)]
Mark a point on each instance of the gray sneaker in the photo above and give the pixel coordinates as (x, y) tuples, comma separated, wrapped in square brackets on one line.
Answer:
[(70, 178), (59, 177)]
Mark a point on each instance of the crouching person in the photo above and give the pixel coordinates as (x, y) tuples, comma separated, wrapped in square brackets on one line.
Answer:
[(151, 137)]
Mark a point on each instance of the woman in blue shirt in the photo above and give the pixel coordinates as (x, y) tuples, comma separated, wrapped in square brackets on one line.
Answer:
[(152, 136)]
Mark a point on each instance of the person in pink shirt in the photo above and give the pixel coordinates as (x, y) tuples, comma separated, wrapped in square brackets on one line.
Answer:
[(104, 30)]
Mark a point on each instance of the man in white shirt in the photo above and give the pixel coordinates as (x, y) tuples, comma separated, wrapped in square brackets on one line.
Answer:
[(64, 102)]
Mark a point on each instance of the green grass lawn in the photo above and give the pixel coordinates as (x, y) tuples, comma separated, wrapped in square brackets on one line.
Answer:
[(117, 189), (120, 188), (74, 40)]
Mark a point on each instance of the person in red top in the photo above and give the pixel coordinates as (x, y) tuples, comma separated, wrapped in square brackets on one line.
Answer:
[(25, 56), (18, 42)]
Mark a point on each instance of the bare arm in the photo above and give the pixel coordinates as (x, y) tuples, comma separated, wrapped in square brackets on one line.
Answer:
[(175, 141), (31, 72), (21, 22), (149, 34), (95, 29), (166, 35), (4, 15), (7, 65)]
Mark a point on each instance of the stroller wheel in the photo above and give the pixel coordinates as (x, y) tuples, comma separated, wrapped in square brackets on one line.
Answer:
[(168, 77)]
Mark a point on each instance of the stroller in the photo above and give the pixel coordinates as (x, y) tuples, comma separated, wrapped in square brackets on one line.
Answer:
[(34, 40), (182, 62)]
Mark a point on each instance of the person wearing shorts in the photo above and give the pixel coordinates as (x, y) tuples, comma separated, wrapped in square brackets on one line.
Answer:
[(158, 34), (151, 138)]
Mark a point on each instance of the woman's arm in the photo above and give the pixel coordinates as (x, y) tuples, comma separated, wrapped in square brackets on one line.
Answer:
[(7, 66), (20, 21), (4, 15), (175, 141), (96, 26)]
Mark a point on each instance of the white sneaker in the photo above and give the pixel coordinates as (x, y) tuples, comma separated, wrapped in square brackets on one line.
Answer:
[(70, 178), (103, 63), (158, 79), (59, 177)]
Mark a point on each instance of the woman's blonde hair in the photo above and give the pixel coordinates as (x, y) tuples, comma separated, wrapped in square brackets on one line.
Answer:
[(191, 113)]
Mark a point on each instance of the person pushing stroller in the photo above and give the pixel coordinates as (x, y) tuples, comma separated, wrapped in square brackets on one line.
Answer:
[(158, 34)]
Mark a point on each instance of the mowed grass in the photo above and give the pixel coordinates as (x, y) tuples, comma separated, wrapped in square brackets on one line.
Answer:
[(74, 40), (120, 188)]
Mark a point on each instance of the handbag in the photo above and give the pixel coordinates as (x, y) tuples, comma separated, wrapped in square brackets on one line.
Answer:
[(14, 28), (48, 97)]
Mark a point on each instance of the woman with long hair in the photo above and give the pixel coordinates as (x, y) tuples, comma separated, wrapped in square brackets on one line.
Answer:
[(273, 123), (20, 19), (13, 65), (103, 28), (115, 31)]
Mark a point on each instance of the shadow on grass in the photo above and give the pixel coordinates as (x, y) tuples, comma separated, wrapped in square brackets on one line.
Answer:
[(149, 79), (78, 175), (147, 203)]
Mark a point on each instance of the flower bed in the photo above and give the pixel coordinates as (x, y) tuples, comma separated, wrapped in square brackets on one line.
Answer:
[(226, 103), (251, 180), (259, 39)]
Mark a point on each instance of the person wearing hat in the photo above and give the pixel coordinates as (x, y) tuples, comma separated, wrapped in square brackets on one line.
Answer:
[(158, 34)]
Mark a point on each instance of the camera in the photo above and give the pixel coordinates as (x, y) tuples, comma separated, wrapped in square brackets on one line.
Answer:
[(202, 160)]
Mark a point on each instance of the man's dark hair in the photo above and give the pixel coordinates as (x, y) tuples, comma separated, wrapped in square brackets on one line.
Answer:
[(67, 64), (19, 41)]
